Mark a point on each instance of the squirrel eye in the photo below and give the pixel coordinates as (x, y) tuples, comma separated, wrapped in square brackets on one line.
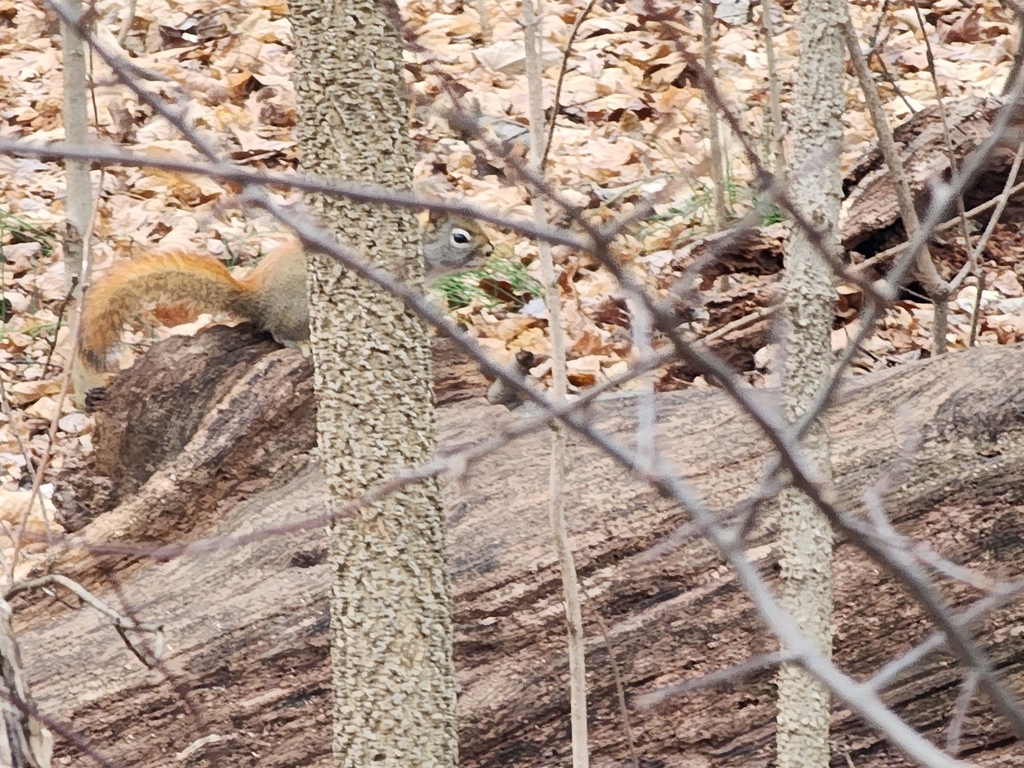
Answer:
[(460, 237)]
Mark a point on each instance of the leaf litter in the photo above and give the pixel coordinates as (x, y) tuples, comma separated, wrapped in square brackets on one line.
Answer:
[(632, 122)]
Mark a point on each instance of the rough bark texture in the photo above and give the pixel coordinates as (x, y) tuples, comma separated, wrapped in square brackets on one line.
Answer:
[(168, 403), (246, 674), (807, 312), (870, 221), (927, 272), (872, 209), (24, 743), (391, 610)]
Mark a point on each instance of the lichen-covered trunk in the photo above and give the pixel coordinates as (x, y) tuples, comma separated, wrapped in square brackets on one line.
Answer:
[(806, 538), (391, 599)]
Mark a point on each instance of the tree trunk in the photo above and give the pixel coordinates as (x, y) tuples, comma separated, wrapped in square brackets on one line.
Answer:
[(805, 534), (391, 599)]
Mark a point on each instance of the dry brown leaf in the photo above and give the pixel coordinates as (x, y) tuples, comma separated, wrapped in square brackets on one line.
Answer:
[(510, 327), (1008, 284), (496, 350), (584, 371), (532, 340), (13, 505), (967, 29), (1009, 329), (24, 392), (591, 341), (44, 408)]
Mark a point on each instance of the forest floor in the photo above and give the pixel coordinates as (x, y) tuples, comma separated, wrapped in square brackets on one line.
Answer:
[(632, 123)]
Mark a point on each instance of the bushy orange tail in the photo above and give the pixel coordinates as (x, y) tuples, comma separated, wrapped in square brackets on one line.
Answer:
[(177, 278)]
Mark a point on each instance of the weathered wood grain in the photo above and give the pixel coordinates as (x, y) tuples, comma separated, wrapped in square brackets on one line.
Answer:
[(247, 623)]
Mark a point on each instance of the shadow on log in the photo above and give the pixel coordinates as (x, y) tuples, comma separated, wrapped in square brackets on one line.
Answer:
[(245, 680)]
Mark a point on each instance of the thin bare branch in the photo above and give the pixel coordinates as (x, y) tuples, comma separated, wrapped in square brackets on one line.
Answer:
[(884, 256), (620, 690), (778, 133), (974, 260), (947, 135), (861, 698), (938, 289), (533, 18), (731, 674), (566, 55), (121, 623), (707, 13), (937, 640), (963, 702)]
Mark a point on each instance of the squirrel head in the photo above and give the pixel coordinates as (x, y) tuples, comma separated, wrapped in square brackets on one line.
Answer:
[(451, 243)]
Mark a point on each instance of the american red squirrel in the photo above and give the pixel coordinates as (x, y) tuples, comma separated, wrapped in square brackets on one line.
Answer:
[(273, 296)]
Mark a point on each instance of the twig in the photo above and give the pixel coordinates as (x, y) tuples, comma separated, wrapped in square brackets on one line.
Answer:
[(1018, 54), (875, 506), (155, 653), (947, 135), (120, 622), (873, 38), (620, 690), (126, 22), (743, 322), (938, 290), (894, 83), (963, 702), (15, 426), (65, 302), (647, 416), (555, 105), (745, 669), (360, 192), (891, 671), (976, 309), (533, 16), (974, 258), (66, 732), (778, 145), (51, 432), (881, 258), (707, 14), (874, 44)]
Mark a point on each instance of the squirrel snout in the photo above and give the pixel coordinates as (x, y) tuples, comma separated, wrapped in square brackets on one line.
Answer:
[(451, 244)]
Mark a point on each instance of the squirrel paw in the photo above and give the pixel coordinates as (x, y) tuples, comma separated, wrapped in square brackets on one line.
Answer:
[(95, 398)]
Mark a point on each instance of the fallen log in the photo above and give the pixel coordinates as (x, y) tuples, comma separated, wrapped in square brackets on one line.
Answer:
[(245, 677)]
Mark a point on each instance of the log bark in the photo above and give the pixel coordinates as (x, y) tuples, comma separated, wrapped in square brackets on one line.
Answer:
[(871, 220), (245, 676), (871, 210)]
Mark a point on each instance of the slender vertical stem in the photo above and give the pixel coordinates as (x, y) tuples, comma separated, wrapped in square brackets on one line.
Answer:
[(533, 18)]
